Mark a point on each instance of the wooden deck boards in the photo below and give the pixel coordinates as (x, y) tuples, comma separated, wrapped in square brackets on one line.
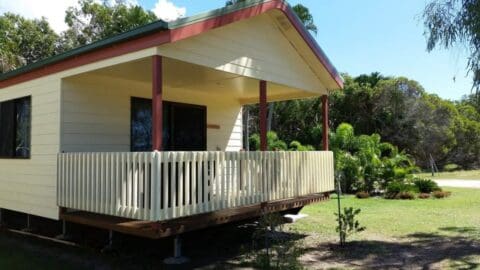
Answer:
[(161, 229)]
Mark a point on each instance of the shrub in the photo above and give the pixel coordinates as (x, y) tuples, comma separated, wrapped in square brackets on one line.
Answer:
[(426, 185), (362, 195), (394, 189), (441, 194), (348, 224), (451, 167), (405, 195), (424, 195)]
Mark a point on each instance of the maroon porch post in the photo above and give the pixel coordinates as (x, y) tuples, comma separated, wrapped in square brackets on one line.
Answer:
[(157, 99), (325, 122), (263, 116)]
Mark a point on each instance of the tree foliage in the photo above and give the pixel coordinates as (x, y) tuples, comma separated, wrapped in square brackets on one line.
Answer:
[(453, 22), (397, 109), (24, 41), (300, 10), (93, 21)]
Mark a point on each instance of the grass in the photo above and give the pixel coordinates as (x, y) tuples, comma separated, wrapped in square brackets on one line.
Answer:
[(463, 175), (431, 233), (397, 218)]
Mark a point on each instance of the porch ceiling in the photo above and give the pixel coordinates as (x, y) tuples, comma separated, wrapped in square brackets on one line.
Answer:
[(182, 75)]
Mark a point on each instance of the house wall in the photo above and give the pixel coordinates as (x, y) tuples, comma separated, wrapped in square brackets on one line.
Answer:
[(96, 114), (255, 48), (29, 185)]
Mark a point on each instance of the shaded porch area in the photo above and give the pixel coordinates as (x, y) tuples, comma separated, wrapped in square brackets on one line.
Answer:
[(128, 166)]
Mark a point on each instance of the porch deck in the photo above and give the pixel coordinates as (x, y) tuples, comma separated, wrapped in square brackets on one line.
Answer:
[(164, 186), (161, 229)]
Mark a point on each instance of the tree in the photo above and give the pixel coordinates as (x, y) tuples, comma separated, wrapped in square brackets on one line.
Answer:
[(300, 10), (305, 17), (24, 41), (93, 21), (453, 22)]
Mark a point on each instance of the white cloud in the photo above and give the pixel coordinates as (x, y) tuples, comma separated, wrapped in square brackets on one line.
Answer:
[(167, 11), (53, 10)]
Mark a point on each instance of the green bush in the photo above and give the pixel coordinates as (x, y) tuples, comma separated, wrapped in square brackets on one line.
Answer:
[(451, 167), (426, 185), (397, 188), (365, 163)]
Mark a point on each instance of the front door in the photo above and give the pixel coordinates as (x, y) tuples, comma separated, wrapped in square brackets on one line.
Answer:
[(188, 127), (184, 126)]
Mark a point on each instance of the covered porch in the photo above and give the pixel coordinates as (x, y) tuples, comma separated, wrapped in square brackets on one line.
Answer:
[(106, 167)]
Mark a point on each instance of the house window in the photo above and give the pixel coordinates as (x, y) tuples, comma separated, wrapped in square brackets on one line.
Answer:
[(15, 121), (184, 126)]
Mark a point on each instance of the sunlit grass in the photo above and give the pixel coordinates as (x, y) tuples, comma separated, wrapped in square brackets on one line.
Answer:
[(399, 218)]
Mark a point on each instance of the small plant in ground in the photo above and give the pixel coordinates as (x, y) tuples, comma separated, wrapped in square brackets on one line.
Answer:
[(348, 224), (441, 194), (426, 185), (362, 195), (424, 195)]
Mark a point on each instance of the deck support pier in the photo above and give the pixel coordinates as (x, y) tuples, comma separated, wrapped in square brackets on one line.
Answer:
[(325, 122), (109, 246), (177, 253), (263, 115), (28, 228), (64, 235), (157, 102)]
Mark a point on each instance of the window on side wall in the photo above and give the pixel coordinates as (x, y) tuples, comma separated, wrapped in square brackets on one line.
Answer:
[(15, 128)]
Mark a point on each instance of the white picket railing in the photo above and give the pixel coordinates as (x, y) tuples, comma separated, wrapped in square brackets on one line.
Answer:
[(165, 185)]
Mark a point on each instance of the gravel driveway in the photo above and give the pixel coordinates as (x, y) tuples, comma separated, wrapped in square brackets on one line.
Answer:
[(459, 183)]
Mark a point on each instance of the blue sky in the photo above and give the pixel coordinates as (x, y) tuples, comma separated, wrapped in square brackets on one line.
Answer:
[(358, 36), (375, 35)]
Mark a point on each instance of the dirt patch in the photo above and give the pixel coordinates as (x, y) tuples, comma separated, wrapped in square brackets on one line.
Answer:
[(415, 251)]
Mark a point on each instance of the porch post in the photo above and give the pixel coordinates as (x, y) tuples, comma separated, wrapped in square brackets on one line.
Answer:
[(263, 115), (325, 122), (157, 111)]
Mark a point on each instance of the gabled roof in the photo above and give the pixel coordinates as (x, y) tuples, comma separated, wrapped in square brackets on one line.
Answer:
[(161, 32)]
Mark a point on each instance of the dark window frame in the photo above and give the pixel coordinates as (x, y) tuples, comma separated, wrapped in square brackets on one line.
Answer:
[(14, 154), (169, 116)]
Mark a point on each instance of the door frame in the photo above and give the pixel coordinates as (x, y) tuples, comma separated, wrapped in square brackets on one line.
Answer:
[(170, 116)]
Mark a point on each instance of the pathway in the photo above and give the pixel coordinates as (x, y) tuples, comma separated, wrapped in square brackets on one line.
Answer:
[(458, 183)]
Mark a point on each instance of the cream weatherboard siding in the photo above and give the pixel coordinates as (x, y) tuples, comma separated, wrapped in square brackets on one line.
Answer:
[(29, 185), (255, 48), (96, 114)]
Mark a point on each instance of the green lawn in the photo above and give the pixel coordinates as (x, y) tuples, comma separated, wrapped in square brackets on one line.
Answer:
[(448, 230), (464, 175)]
